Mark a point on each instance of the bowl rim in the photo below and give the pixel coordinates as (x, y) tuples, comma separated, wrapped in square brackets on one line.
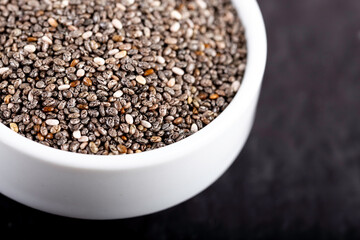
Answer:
[(255, 32)]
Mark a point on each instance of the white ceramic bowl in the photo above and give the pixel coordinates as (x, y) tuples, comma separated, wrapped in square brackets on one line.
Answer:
[(109, 187)]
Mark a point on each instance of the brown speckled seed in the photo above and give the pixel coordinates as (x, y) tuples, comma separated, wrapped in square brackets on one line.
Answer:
[(178, 120)]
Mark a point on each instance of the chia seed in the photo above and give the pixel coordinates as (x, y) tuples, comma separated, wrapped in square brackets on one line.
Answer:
[(117, 77)]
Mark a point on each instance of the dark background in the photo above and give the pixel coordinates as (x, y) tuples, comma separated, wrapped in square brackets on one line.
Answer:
[(298, 176)]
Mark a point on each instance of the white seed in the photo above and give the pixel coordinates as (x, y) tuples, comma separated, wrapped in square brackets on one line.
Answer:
[(145, 124), (113, 51), (64, 87), (129, 119), (80, 73), (194, 128), (30, 48), (218, 37), (175, 27), (155, 3), (201, 4), (118, 94), (178, 71), (121, 54), (242, 67), (176, 15), (147, 32), (170, 40), (30, 96), (189, 33), (52, 122), (120, 6), (83, 139), (64, 3), (77, 134), (4, 70), (47, 40), (235, 86), (16, 32), (129, 2), (137, 34), (116, 23), (99, 61), (160, 59), (221, 45), (87, 35), (190, 23), (171, 82), (141, 80)]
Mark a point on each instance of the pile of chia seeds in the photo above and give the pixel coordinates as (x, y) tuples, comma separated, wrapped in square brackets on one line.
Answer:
[(111, 77)]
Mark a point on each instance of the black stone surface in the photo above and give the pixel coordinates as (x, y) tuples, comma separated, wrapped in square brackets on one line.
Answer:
[(298, 176)]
